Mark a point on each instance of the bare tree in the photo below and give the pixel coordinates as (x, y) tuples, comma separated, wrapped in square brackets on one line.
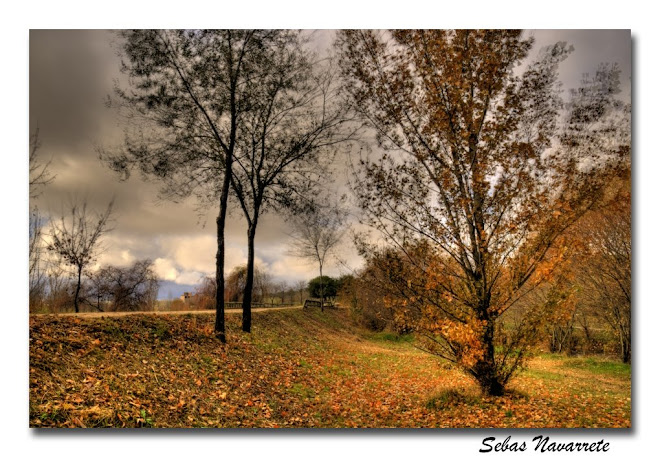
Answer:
[(132, 288), (286, 141), (57, 284), (204, 297), (300, 287), (40, 174), (190, 92), (316, 234), (76, 239)]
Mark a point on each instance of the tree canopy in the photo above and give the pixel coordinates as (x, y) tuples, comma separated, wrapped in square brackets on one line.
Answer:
[(190, 94), (323, 287), (483, 167)]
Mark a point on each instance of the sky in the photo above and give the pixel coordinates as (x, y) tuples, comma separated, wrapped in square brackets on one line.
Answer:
[(70, 74)]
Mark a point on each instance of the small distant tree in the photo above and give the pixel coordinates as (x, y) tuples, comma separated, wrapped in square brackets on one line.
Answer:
[(315, 235), (561, 324), (276, 292), (300, 287), (236, 280), (133, 288), (323, 287), (37, 280), (76, 240), (347, 292), (59, 293), (604, 272), (204, 296)]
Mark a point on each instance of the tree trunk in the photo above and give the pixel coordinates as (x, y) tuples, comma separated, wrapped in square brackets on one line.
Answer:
[(625, 352), (625, 346), (492, 387), (485, 371), (249, 279), (77, 295), (220, 256), (321, 280)]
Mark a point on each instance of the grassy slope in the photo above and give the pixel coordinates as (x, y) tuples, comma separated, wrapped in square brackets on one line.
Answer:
[(297, 369)]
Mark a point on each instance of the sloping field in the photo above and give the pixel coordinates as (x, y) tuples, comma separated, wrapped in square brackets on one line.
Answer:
[(299, 368)]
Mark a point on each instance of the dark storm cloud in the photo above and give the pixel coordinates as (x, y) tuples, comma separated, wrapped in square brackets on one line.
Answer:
[(70, 73)]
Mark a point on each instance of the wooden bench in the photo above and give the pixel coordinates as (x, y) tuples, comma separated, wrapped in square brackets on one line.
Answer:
[(316, 303)]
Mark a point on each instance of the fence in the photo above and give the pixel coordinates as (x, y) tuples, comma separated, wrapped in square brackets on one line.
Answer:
[(239, 305)]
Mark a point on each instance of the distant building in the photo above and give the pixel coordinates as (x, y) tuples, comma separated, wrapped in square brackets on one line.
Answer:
[(186, 296)]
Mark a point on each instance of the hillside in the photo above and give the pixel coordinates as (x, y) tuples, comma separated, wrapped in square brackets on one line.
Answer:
[(299, 368)]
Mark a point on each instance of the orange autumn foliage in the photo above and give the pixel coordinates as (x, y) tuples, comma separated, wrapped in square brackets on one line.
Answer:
[(480, 173)]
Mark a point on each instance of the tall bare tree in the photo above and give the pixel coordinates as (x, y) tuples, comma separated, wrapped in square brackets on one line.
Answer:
[(75, 239), (286, 141), (486, 167), (316, 233), (189, 94)]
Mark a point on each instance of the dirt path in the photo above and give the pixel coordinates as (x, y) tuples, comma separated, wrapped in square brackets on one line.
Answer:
[(133, 313)]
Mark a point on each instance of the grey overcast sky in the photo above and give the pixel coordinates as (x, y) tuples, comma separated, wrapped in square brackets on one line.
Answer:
[(71, 71)]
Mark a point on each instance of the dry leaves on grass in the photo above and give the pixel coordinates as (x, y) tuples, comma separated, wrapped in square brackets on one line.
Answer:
[(297, 369)]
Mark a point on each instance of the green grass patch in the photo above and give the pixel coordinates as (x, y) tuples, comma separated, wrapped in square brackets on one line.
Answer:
[(599, 366), (302, 391), (543, 374), (551, 356), (390, 337)]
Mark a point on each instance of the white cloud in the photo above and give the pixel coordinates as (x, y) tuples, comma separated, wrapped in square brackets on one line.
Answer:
[(234, 257), (193, 253), (291, 268), (187, 259), (189, 277), (117, 258), (165, 269)]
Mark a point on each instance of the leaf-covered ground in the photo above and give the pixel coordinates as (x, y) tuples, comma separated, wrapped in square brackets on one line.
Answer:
[(299, 368)]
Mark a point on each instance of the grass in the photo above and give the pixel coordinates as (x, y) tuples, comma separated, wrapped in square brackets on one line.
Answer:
[(390, 337), (599, 366), (298, 368)]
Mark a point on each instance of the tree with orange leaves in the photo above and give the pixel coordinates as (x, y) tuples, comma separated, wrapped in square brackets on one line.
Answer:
[(604, 266), (483, 166)]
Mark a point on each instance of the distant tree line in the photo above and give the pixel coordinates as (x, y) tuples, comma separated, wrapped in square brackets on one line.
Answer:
[(265, 290), (109, 288), (63, 251)]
